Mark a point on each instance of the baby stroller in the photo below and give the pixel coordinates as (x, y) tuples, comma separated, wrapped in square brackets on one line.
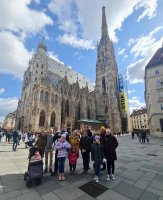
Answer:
[(35, 167)]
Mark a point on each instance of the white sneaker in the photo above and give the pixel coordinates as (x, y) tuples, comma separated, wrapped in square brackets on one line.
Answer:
[(108, 178), (112, 177), (95, 178), (97, 181)]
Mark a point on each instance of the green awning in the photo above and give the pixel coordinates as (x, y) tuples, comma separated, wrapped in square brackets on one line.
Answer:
[(84, 120)]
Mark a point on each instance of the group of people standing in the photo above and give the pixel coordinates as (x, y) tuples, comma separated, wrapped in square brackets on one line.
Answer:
[(100, 146), (61, 144)]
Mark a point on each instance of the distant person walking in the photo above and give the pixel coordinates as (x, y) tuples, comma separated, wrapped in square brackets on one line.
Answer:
[(15, 136), (1, 135)]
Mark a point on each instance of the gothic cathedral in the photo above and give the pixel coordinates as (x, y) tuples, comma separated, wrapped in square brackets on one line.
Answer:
[(54, 95)]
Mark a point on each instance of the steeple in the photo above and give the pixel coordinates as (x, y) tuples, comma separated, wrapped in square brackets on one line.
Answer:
[(42, 44), (104, 27)]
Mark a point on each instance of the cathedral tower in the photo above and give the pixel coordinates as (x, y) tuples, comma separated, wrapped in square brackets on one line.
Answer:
[(107, 101)]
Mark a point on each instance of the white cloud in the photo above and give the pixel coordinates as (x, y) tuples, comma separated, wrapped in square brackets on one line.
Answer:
[(131, 91), (54, 56), (131, 41), (18, 17), (87, 19), (76, 42), (37, 1), (126, 56), (121, 52), (149, 8), (2, 90), (14, 56), (135, 103), (7, 105), (143, 49)]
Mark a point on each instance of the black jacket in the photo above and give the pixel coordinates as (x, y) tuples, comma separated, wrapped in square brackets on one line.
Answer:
[(85, 143)]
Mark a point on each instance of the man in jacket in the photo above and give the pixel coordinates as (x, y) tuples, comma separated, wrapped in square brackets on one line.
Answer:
[(85, 147)]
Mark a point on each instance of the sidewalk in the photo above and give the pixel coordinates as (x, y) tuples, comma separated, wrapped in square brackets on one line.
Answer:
[(139, 175)]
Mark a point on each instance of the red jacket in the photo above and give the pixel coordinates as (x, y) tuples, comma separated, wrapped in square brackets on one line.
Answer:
[(73, 158)]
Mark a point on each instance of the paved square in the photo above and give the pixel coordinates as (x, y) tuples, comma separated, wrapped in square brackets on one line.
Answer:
[(138, 175)]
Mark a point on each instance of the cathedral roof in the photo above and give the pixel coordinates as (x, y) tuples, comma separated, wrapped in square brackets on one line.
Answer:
[(156, 60), (60, 70)]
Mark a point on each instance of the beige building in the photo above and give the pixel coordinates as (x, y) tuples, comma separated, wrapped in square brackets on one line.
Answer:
[(154, 93), (54, 95), (9, 122), (139, 119)]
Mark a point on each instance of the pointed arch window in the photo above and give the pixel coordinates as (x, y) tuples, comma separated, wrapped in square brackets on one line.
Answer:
[(52, 120), (78, 112), (103, 85), (52, 98), (42, 118), (106, 109), (67, 108), (41, 95), (56, 98), (88, 113), (46, 96)]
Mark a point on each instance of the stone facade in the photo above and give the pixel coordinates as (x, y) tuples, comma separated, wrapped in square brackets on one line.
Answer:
[(154, 93), (54, 95), (9, 122), (139, 119)]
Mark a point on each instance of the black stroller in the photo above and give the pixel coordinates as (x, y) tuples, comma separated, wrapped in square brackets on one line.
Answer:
[(35, 169)]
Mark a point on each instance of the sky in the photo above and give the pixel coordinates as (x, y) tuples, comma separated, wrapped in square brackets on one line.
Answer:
[(72, 30)]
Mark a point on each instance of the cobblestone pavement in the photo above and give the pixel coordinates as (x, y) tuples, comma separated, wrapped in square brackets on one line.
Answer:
[(139, 175)]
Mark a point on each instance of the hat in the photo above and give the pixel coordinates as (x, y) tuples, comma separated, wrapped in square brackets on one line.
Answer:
[(108, 130), (102, 128), (63, 135), (97, 137)]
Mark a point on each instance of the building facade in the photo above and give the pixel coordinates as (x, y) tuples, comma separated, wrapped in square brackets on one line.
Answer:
[(139, 119), (9, 122), (54, 95), (154, 93)]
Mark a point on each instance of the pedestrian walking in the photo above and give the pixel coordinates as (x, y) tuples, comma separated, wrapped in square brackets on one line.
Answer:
[(15, 139), (24, 136), (62, 146), (1, 135), (110, 144), (97, 156)]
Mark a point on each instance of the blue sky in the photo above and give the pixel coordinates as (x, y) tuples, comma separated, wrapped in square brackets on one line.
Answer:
[(72, 30)]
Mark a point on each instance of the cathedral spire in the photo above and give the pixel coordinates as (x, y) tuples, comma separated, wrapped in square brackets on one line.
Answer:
[(104, 28)]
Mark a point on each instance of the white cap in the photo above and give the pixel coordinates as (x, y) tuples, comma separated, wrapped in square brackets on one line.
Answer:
[(108, 130)]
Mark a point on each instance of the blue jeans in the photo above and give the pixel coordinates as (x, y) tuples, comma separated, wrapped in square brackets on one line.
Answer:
[(15, 143), (97, 169), (61, 162)]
